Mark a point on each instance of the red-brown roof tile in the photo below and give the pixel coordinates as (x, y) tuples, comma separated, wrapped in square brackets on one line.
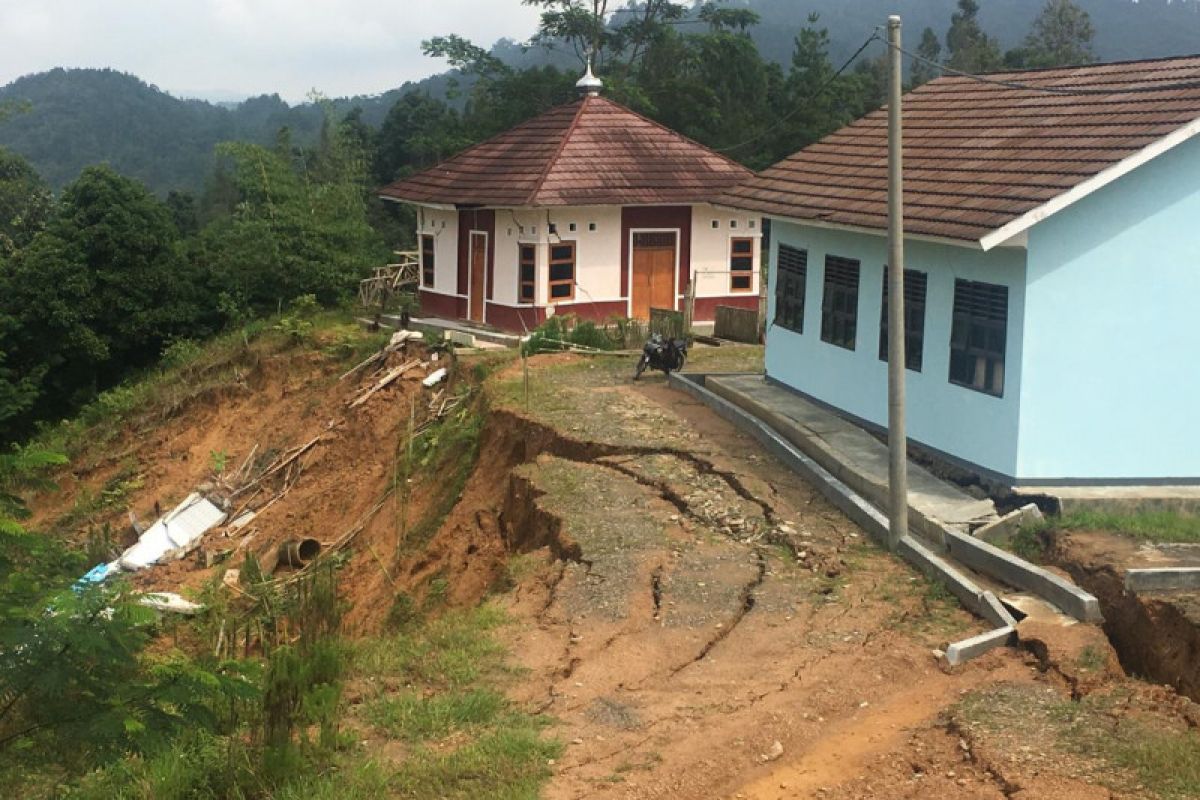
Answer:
[(978, 156), (590, 152)]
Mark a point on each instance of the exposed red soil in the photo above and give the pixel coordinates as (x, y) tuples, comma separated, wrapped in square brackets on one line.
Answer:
[(1157, 634), (696, 620)]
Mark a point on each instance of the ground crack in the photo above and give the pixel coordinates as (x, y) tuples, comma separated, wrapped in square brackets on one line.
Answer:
[(963, 735), (748, 600), (656, 590)]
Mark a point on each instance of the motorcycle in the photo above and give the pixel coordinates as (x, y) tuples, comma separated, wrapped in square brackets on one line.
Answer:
[(667, 355)]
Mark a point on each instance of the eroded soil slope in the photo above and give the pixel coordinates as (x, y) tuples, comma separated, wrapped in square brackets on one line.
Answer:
[(693, 619)]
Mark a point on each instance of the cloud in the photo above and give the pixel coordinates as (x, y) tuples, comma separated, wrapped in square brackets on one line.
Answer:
[(249, 47)]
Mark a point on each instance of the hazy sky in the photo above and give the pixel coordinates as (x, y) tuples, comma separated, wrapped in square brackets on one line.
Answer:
[(215, 48)]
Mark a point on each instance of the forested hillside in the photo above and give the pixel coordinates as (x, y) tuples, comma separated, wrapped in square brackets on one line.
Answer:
[(81, 117), (204, 216)]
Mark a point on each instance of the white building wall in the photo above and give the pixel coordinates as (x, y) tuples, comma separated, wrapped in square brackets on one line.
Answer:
[(1109, 385), (711, 248), (443, 226), (597, 253)]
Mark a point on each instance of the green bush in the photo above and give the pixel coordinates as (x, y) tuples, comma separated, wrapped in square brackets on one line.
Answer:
[(559, 332)]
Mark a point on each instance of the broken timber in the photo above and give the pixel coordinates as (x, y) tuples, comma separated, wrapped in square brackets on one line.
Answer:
[(383, 382)]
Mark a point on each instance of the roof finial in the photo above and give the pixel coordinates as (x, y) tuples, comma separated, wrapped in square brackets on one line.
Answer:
[(589, 84)]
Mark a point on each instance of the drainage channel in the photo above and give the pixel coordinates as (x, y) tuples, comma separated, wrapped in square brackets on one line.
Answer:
[(952, 565)]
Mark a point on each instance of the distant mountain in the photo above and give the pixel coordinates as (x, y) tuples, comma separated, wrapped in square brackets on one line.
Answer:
[(83, 116), (79, 117)]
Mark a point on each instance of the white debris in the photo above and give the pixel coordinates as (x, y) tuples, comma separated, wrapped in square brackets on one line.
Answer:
[(169, 601), (244, 519), (435, 377), (173, 536), (400, 337)]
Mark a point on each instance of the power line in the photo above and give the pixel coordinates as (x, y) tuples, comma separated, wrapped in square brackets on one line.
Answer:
[(874, 37), (1166, 87)]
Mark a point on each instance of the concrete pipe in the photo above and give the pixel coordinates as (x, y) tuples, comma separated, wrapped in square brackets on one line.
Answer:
[(297, 553)]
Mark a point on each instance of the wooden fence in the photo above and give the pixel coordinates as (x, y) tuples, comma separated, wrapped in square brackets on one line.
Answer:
[(736, 324)]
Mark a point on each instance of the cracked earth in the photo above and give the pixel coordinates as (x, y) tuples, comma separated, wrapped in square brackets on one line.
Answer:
[(698, 622)]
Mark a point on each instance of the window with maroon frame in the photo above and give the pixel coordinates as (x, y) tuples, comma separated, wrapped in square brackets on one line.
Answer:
[(427, 261), (527, 264), (741, 265), (562, 272)]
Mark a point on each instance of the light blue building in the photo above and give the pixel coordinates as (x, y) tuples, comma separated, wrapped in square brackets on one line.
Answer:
[(1053, 258)]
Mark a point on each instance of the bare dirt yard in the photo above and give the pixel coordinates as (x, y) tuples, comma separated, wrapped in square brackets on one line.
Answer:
[(683, 614)]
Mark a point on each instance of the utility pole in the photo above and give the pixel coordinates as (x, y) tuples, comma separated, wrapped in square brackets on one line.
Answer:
[(897, 436)]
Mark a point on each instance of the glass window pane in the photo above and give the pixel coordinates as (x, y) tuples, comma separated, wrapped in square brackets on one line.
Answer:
[(743, 245), (560, 290), (562, 253), (742, 263), (562, 272)]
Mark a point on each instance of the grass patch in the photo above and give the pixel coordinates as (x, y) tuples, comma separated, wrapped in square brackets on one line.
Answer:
[(450, 652), (1166, 762), (1151, 526), (507, 764), (1091, 740), (416, 718), (1028, 543), (925, 607), (454, 670)]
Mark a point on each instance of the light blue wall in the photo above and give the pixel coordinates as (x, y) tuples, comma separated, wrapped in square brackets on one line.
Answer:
[(1111, 376), (972, 426)]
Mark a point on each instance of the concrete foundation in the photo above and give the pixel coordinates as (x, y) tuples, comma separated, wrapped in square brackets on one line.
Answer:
[(1118, 499)]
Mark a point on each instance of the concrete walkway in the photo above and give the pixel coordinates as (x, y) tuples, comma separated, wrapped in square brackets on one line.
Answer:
[(854, 456)]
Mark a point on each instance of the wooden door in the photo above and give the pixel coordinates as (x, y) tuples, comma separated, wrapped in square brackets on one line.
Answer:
[(653, 284), (478, 266)]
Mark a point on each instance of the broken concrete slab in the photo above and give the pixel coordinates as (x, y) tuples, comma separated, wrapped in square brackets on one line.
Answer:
[(1003, 529), (1015, 571), (967, 649), (1162, 579), (995, 612), (175, 535)]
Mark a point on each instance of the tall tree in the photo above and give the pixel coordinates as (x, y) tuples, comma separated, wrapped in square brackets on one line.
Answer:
[(25, 203), (969, 48), (617, 39), (98, 292), (930, 49), (1061, 36)]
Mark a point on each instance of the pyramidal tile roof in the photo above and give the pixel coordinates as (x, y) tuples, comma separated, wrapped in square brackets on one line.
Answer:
[(983, 161), (589, 152)]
